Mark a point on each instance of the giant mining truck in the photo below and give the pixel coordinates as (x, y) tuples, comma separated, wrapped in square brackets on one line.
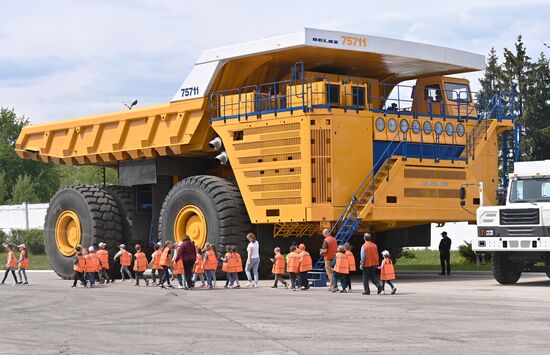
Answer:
[(283, 137)]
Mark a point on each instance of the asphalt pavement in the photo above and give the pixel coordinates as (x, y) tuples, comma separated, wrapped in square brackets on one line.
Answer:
[(462, 313)]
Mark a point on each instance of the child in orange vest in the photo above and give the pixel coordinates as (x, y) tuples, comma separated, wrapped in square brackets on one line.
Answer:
[(340, 266), (306, 265), (89, 269), (179, 269), (226, 267), (210, 264), (79, 265), (278, 269), (293, 266), (387, 272), (237, 265), (198, 270), (10, 265), (166, 263), (351, 264), (125, 261), (140, 265), (23, 263), (103, 255), (156, 268)]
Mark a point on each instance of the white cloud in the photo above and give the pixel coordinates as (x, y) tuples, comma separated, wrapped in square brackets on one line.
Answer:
[(62, 59)]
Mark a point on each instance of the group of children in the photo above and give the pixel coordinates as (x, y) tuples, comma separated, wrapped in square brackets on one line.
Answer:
[(20, 264), (299, 263), (91, 266)]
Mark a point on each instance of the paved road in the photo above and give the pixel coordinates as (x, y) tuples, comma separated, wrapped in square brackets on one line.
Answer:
[(429, 314)]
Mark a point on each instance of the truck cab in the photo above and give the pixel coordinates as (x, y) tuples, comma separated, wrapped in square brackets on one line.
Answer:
[(443, 96), (518, 233)]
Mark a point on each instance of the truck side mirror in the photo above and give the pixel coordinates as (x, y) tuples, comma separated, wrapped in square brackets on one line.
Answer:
[(462, 196)]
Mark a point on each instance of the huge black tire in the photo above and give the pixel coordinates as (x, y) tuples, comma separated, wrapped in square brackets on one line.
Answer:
[(99, 218), (505, 271), (221, 204), (123, 197)]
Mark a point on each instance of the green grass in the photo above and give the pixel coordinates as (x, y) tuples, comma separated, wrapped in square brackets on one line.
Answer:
[(36, 262), (429, 260)]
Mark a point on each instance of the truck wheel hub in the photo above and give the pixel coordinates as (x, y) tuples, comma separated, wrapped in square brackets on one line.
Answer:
[(67, 233), (190, 220)]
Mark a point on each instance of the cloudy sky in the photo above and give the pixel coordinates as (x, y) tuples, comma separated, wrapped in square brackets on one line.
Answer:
[(61, 59)]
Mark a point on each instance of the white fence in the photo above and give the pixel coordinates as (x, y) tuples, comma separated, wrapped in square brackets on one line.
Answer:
[(24, 216)]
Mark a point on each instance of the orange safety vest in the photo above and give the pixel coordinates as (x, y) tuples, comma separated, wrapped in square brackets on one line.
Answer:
[(211, 262), (278, 265), (292, 262), (25, 261), (95, 262), (156, 260), (305, 261), (238, 262), (165, 258), (332, 246), (197, 268), (140, 262), (226, 265), (89, 264), (351, 261), (79, 267), (103, 258), (371, 254), (12, 262), (178, 267), (387, 272), (341, 265), (125, 258)]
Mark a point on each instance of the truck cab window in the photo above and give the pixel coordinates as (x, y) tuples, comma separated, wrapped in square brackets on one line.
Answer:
[(457, 92), (432, 93)]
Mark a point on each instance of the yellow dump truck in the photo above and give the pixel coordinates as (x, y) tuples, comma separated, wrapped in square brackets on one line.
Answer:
[(283, 137)]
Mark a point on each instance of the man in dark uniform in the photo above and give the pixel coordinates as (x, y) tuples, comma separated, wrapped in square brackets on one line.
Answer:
[(445, 253)]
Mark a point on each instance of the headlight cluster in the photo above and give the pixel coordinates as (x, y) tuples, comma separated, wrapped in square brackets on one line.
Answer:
[(416, 127)]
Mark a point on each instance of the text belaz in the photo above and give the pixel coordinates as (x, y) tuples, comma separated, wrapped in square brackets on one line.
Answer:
[(324, 40)]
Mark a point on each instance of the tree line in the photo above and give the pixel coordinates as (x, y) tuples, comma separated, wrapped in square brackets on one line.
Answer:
[(25, 180)]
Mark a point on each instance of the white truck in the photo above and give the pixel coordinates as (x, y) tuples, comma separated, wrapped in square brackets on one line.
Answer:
[(518, 233)]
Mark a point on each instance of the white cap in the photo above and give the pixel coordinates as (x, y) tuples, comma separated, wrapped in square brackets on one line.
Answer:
[(159, 244), (91, 248), (385, 253), (122, 246), (101, 244)]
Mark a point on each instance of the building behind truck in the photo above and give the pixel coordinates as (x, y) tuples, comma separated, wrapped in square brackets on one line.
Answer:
[(518, 233), (283, 137)]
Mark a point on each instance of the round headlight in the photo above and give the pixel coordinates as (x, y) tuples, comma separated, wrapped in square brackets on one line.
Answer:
[(380, 124), (438, 128), (460, 130), (449, 129), (392, 124), (416, 126), (427, 127), (404, 125)]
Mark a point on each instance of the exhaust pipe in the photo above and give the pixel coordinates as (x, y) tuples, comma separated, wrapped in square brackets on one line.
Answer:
[(215, 143), (223, 158)]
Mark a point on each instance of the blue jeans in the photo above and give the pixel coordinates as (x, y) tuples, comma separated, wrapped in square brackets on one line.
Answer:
[(253, 268), (341, 278), (90, 276), (209, 277), (180, 279), (230, 278)]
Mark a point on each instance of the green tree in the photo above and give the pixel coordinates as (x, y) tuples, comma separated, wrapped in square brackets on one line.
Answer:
[(491, 82), (44, 176), (71, 175), (4, 191), (24, 190)]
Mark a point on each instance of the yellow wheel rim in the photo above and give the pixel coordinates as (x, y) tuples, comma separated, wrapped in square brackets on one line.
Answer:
[(67, 233), (190, 220)]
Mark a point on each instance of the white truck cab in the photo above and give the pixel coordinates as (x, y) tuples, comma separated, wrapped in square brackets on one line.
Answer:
[(518, 233)]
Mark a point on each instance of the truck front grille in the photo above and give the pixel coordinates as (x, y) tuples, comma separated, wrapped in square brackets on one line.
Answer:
[(523, 216)]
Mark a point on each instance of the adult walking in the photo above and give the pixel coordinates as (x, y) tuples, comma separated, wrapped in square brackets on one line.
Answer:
[(252, 261), (188, 254), (369, 264), (328, 251), (445, 254)]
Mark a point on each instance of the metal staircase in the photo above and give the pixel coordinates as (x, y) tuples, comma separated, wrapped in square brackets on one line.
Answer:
[(359, 206)]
